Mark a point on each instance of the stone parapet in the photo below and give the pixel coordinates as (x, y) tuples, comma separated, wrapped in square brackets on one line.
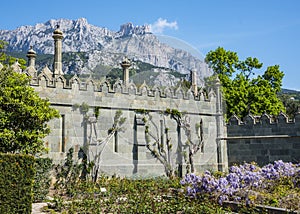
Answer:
[(263, 139)]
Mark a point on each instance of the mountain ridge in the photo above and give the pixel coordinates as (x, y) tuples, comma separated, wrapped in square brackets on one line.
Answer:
[(103, 45)]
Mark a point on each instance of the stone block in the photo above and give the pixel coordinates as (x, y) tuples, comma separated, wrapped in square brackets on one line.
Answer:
[(279, 152), (262, 160), (296, 145)]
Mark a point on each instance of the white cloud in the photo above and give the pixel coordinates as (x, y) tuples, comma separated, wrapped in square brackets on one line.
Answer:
[(161, 24)]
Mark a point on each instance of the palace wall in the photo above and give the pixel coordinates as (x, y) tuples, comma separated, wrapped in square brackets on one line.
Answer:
[(263, 139), (126, 153)]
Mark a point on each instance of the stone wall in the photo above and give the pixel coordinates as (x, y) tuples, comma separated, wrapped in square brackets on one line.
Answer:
[(126, 153), (263, 139)]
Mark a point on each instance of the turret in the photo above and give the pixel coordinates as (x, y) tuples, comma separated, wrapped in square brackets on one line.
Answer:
[(218, 94), (31, 55), (57, 66), (125, 65), (193, 79), (30, 70)]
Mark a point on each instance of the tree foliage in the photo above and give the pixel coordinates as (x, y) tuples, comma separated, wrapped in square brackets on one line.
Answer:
[(291, 104), (243, 92), (23, 114), (9, 60)]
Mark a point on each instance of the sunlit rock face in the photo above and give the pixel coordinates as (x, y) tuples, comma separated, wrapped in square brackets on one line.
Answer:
[(104, 46)]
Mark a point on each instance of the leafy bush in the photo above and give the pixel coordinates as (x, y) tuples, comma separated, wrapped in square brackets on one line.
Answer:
[(69, 174), (42, 178), (23, 115), (16, 182)]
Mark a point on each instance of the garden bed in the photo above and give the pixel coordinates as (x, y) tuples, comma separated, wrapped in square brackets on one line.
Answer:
[(243, 190)]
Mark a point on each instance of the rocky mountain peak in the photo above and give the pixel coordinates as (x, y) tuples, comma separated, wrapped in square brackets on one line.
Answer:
[(82, 21), (129, 29), (103, 46), (66, 25)]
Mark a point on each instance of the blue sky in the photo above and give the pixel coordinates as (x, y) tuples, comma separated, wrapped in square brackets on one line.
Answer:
[(266, 29)]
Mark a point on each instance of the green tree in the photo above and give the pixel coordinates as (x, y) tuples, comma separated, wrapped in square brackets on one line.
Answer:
[(23, 114), (291, 104), (9, 60), (242, 92)]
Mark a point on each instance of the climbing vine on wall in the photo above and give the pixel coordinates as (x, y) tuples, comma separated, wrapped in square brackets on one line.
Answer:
[(163, 151), (155, 144), (94, 154)]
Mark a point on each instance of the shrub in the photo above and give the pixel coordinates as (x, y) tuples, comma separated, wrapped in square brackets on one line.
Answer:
[(42, 178), (16, 182)]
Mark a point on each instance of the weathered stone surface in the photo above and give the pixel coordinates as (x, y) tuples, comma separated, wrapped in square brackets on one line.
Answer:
[(265, 141), (129, 160)]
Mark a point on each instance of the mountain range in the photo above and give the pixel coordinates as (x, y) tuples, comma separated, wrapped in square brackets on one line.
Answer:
[(90, 49)]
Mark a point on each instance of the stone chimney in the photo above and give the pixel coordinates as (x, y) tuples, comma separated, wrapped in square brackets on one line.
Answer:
[(193, 79), (125, 65), (31, 55), (57, 66)]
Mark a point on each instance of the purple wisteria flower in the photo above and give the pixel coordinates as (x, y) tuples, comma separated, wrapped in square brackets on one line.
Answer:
[(240, 179)]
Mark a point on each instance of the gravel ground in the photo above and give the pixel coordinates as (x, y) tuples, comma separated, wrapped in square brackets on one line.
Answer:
[(36, 208)]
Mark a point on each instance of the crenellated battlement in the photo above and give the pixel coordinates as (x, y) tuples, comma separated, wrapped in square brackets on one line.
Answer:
[(45, 80), (263, 139), (264, 120)]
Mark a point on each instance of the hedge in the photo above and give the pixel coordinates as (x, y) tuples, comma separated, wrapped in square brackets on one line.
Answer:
[(16, 183)]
